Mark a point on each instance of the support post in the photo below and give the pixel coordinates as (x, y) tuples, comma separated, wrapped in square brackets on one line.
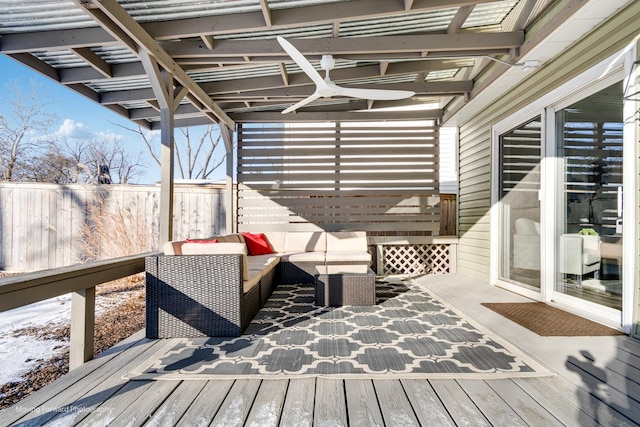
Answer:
[(230, 212), (166, 176), (379, 259), (83, 305)]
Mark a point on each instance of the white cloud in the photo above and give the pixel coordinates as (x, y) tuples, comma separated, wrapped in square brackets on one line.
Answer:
[(108, 136), (71, 129)]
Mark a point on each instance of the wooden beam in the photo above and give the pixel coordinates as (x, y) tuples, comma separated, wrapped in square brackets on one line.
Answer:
[(554, 16), (274, 83), (36, 65), (94, 60), (459, 19), (134, 32), (276, 117), (336, 29), (160, 90), (295, 17), (136, 69), (467, 42), (57, 39), (283, 73), (209, 41), (225, 24), (384, 65), (266, 12), (524, 15)]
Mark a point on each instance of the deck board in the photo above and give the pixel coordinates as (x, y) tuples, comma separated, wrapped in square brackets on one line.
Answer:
[(267, 407), (173, 408), (298, 405), (394, 405), (554, 401), (492, 405), (531, 411), (459, 405), (362, 404), (594, 385), (426, 404), (330, 407), (80, 389), (236, 405), (140, 406), (205, 406)]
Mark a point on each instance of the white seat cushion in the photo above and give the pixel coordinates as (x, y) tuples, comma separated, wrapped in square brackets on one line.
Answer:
[(345, 257), (318, 257), (263, 263)]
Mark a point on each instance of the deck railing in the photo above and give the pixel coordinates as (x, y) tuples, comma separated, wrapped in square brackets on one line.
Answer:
[(80, 280)]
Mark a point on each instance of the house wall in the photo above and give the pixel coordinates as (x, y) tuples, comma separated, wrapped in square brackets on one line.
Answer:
[(475, 134)]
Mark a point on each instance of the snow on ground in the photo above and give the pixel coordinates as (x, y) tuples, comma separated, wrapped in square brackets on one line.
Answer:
[(19, 354)]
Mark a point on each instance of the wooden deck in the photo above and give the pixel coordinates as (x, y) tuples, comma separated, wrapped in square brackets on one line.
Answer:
[(598, 383)]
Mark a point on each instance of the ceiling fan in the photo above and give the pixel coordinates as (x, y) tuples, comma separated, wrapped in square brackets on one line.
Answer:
[(326, 88)]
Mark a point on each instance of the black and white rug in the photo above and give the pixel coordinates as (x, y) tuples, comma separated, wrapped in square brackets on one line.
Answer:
[(408, 333)]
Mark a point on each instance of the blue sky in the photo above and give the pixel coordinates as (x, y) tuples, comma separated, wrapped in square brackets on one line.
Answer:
[(77, 116)]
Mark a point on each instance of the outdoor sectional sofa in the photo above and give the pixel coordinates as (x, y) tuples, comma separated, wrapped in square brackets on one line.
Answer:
[(214, 287)]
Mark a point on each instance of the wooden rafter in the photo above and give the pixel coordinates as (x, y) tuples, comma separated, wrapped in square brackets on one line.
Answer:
[(123, 26)]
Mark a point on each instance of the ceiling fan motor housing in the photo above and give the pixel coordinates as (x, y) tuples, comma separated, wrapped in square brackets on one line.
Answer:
[(327, 62)]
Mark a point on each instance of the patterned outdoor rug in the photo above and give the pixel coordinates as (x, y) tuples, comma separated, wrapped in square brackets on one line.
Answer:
[(408, 333)]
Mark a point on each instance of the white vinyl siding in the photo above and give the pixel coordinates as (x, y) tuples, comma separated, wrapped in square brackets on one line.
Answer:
[(475, 134)]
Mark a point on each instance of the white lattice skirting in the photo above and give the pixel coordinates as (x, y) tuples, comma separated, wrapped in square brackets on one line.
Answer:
[(416, 259)]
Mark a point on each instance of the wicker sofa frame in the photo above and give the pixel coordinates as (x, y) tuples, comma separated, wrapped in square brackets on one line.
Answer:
[(203, 295), (181, 301)]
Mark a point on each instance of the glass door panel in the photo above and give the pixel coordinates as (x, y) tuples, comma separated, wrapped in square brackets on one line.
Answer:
[(589, 232), (519, 186)]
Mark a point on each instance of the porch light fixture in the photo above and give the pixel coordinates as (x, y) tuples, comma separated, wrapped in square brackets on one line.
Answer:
[(530, 65), (527, 65)]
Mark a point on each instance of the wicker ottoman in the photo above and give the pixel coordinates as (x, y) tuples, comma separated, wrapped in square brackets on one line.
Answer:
[(337, 285)]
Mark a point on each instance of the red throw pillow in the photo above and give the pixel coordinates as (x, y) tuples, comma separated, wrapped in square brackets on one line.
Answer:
[(257, 244), (202, 241)]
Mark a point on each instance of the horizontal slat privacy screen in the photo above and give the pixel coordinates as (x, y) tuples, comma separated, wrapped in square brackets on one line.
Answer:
[(378, 177)]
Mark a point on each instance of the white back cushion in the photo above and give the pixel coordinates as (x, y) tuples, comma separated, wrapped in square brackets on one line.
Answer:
[(343, 241), (305, 241), (276, 239)]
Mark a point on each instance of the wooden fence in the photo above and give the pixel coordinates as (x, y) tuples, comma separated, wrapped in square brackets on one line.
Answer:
[(45, 225)]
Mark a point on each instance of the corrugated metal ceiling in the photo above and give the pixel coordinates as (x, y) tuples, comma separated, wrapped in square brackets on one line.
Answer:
[(31, 16)]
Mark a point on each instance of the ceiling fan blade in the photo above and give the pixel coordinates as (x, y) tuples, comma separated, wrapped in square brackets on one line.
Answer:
[(301, 61), (302, 103), (375, 94)]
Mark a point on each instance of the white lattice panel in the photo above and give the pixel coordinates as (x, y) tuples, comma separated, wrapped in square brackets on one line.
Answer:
[(417, 259)]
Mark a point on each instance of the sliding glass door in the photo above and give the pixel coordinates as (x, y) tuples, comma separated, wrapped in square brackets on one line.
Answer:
[(589, 134), (519, 205)]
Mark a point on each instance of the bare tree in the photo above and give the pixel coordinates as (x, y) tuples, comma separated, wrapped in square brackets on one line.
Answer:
[(26, 118), (53, 166), (83, 162), (123, 168), (196, 157)]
